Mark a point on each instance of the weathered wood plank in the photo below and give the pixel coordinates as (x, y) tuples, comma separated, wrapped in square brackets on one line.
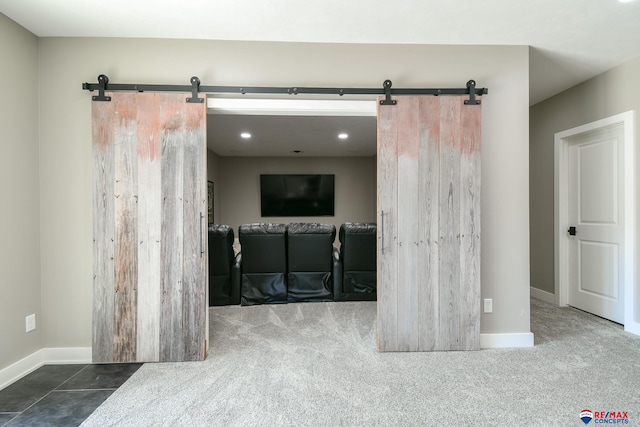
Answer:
[(126, 230), (387, 253), (449, 223), (149, 231), (103, 232), (194, 301), (172, 346), (470, 210), (408, 286), (429, 207)]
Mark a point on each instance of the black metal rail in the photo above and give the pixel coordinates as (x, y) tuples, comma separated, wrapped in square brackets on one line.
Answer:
[(195, 88)]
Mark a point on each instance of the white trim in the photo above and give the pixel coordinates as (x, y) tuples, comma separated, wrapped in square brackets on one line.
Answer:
[(57, 356), (506, 340), (560, 193), (561, 147), (21, 368), (631, 323), (543, 295), (44, 356), (290, 107)]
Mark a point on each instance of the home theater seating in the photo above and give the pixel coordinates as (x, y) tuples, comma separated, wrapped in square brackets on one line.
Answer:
[(263, 263), (297, 262), (356, 278), (224, 267), (310, 262)]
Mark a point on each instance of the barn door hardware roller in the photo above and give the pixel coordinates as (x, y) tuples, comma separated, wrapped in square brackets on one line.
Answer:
[(195, 88), (102, 85), (471, 85), (387, 94)]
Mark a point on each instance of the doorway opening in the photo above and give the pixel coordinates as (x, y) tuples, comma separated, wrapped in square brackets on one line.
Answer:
[(288, 144)]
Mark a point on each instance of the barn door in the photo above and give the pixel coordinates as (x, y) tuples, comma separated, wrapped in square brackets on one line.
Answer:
[(150, 270), (429, 224)]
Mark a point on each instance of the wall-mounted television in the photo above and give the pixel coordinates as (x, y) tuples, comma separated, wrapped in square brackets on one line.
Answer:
[(297, 195)]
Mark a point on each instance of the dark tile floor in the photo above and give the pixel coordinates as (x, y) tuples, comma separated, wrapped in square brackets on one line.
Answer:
[(61, 395)]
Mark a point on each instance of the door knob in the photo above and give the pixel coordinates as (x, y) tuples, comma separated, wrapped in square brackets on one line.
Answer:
[(572, 231)]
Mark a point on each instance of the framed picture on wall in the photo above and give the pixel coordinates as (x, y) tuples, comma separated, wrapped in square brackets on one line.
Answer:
[(210, 201)]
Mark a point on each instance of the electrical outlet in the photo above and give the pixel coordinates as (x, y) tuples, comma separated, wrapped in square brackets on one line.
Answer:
[(31, 322), (488, 305)]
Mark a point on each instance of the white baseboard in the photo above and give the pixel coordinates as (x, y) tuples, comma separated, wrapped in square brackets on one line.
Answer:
[(69, 355), (44, 356), (506, 340), (632, 328), (543, 295)]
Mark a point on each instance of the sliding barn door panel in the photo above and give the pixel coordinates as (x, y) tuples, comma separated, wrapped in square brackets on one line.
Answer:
[(429, 182), (149, 253)]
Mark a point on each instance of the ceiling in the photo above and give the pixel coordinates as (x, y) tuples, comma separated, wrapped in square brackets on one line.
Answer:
[(571, 40), (282, 136)]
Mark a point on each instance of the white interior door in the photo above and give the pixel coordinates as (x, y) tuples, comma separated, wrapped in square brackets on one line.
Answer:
[(596, 179)]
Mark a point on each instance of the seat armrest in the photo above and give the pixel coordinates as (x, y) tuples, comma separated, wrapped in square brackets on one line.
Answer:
[(236, 276), (337, 275)]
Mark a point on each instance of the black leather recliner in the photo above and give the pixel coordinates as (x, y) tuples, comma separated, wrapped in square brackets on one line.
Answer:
[(264, 264), (355, 271), (310, 262), (224, 271)]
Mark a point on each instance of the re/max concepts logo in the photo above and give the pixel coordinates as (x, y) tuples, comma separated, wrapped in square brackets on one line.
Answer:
[(602, 417)]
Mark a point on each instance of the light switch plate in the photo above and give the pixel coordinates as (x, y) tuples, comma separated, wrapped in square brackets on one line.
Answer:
[(30, 322)]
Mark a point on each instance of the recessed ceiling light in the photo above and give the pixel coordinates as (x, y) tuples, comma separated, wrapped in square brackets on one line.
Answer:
[(343, 135), (625, 1), (245, 135), (296, 151)]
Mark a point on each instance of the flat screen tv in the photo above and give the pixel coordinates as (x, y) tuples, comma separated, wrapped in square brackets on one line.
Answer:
[(297, 195)]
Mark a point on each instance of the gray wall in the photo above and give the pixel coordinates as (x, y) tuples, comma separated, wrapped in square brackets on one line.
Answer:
[(610, 93), (65, 164), (66, 151), (355, 187), (213, 175), (19, 192)]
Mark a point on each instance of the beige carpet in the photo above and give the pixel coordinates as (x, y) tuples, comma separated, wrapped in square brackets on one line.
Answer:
[(316, 365)]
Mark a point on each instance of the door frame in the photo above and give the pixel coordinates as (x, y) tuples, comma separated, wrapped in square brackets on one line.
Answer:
[(561, 242)]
